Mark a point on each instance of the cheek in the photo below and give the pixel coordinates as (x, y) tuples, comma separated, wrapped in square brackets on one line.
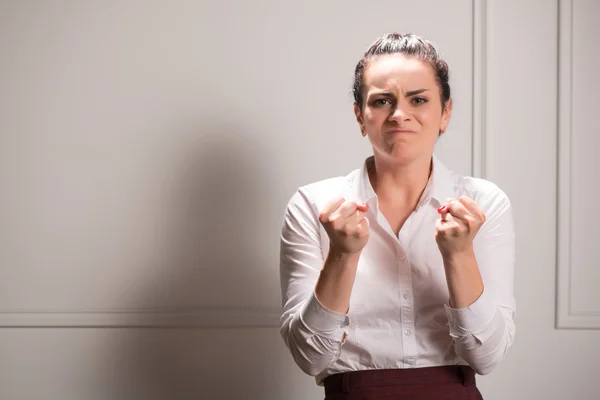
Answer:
[(371, 117), (430, 117)]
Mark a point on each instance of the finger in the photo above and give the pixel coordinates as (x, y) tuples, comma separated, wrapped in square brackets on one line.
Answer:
[(346, 209), (444, 207), (360, 216), (447, 218), (330, 208), (471, 206), (443, 215), (446, 223), (458, 210), (364, 224), (362, 207)]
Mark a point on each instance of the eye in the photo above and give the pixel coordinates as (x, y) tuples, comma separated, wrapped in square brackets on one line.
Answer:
[(419, 100), (381, 102)]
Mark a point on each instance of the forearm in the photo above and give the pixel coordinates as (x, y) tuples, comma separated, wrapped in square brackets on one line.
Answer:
[(481, 332), (334, 286), (316, 292), (463, 277), (315, 332)]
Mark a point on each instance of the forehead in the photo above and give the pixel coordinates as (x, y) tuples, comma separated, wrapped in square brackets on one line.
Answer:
[(398, 71)]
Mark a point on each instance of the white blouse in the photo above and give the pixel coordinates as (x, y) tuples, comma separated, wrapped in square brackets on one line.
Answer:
[(399, 315)]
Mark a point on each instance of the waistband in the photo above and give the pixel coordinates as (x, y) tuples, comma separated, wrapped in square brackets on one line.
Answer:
[(346, 381)]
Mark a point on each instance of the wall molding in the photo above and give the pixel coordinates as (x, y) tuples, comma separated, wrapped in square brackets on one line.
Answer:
[(479, 115), (197, 318), (566, 317)]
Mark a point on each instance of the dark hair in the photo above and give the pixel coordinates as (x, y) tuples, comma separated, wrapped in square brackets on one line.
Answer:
[(410, 44)]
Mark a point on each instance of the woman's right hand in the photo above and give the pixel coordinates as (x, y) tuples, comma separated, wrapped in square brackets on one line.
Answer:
[(346, 225)]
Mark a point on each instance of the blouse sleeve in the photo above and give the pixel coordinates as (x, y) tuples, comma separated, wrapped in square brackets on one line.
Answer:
[(313, 334), (484, 331)]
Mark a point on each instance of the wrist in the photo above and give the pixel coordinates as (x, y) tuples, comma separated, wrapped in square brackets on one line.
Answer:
[(458, 256), (341, 256)]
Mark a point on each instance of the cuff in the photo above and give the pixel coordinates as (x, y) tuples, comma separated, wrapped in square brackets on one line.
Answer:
[(322, 320), (471, 319)]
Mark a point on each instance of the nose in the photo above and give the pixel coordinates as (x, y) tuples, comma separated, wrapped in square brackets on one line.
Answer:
[(399, 113)]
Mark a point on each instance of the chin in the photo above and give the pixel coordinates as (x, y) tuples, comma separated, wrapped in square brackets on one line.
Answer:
[(403, 155)]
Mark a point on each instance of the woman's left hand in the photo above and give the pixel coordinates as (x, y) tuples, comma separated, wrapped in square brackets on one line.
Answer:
[(459, 222)]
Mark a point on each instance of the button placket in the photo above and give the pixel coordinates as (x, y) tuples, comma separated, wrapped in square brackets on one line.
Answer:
[(405, 314), (407, 310)]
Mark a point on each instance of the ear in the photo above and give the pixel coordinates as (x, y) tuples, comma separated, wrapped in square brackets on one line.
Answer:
[(446, 114), (359, 118)]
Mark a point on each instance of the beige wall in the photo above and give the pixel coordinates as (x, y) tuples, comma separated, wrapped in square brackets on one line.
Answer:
[(147, 150)]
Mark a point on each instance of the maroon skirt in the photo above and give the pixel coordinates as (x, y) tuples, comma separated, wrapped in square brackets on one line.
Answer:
[(431, 383)]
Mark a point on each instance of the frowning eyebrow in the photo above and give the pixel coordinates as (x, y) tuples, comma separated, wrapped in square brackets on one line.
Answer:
[(407, 94), (415, 92)]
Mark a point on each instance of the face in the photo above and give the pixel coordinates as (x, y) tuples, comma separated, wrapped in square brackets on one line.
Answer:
[(402, 111)]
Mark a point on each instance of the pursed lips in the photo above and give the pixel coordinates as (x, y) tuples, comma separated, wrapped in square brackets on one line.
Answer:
[(400, 131)]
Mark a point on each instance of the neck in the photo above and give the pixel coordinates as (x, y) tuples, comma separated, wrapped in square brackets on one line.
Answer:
[(401, 183)]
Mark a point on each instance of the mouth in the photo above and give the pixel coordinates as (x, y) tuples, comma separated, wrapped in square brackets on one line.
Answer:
[(400, 131)]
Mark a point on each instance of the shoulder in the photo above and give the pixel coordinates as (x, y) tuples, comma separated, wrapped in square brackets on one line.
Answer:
[(480, 188), (317, 194), (454, 184), (490, 198)]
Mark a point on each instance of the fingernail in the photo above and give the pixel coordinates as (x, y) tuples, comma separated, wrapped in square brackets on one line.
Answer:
[(442, 209)]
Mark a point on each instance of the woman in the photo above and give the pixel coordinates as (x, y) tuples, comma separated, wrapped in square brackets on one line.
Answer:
[(397, 279)]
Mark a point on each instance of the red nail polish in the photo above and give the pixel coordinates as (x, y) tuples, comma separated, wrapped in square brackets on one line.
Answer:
[(442, 209)]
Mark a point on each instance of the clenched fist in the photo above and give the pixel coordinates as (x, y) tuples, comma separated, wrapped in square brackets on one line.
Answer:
[(459, 223), (346, 225)]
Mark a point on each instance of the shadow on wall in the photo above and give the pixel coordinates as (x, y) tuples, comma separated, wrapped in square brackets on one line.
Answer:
[(217, 236), (217, 255)]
